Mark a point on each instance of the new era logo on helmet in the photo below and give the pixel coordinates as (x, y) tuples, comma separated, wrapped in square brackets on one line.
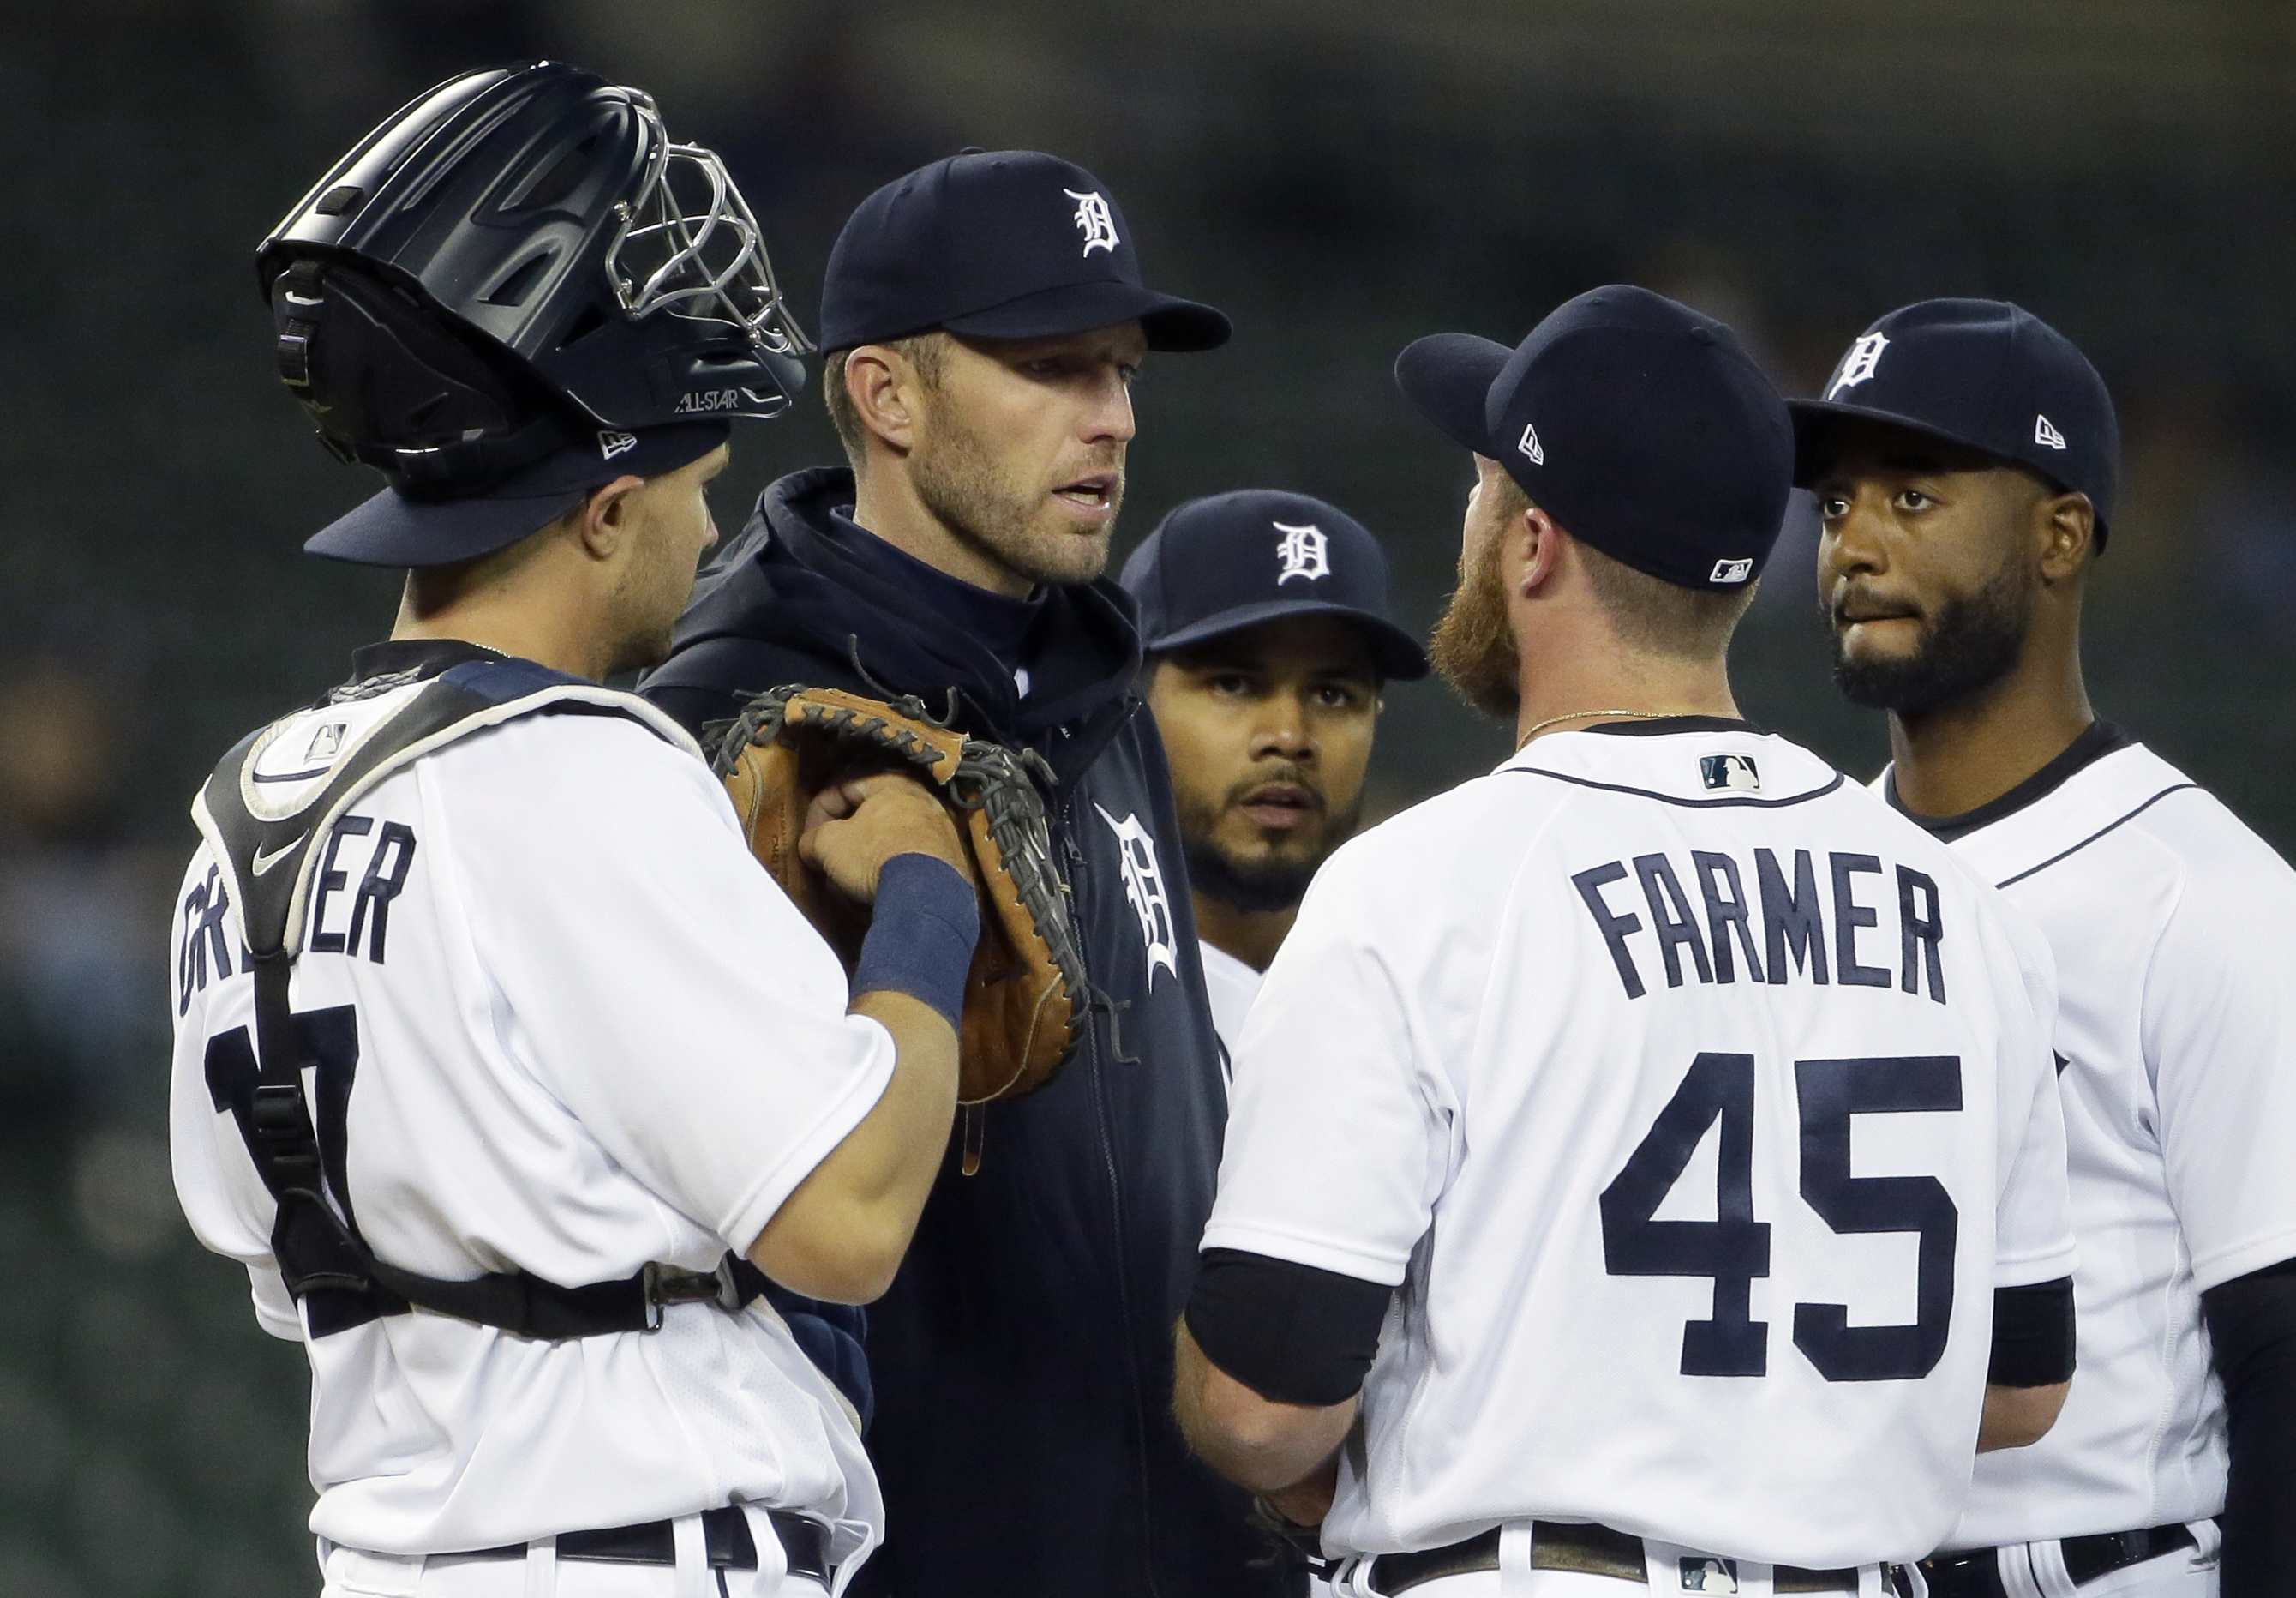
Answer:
[(1858, 364), (2046, 435), (1095, 220), (1731, 571), (1532, 450)]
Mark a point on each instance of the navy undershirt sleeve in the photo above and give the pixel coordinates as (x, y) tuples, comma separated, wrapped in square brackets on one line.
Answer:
[(2032, 1335), (1291, 1333), (2251, 1320)]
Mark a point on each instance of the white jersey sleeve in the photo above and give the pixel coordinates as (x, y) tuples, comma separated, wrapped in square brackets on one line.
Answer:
[(1338, 1142), (671, 995), (2219, 1037)]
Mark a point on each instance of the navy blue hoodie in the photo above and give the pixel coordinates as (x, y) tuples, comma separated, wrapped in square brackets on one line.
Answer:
[(1022, 1363)]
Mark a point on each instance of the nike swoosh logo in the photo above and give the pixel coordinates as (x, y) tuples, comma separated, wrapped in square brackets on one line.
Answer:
[(265, 859)]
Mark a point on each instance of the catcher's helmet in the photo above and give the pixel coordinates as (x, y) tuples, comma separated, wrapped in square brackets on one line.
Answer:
[(513, 242)]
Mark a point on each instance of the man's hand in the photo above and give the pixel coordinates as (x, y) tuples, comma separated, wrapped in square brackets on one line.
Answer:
[(854, 827)]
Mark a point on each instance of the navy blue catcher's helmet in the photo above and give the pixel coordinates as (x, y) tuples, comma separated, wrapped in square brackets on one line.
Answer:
[(517, 258)]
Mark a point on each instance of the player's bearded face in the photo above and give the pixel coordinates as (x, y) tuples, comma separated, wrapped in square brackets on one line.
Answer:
[(1268, 731), (1021, 453), (1474, 647), (1966, 641)]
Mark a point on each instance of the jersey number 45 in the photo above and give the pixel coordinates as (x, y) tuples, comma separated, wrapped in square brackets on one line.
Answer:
[(1734, 1248)]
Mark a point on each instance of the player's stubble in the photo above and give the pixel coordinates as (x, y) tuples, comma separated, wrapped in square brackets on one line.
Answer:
[(1972, 641), (959, 478), (1277, 880)]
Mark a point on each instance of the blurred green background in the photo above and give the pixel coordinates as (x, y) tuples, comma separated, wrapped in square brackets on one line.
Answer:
[(1339, 175)]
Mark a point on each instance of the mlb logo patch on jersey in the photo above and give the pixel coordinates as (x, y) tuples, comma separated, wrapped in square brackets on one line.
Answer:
[(1708, 1573), (1725, 771)]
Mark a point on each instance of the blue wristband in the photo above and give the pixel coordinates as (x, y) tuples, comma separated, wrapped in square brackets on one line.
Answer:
[(921, 939)]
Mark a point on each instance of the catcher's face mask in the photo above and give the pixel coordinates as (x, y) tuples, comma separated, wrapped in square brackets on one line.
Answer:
[(546, 213)]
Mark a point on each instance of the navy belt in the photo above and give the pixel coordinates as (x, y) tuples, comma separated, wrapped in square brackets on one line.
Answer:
[(1976, 1573), (724, 1534), (1592, 1550)]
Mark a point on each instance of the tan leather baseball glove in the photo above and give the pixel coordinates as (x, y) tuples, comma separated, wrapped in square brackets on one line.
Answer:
[(1024, 1000)]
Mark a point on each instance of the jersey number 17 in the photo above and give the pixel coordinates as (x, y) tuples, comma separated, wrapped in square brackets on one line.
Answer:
[(1734, 1248)]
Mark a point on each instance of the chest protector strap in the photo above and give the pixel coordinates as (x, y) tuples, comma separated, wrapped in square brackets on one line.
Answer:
[(264, 811)]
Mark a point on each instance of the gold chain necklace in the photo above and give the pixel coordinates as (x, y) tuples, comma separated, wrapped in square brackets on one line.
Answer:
[(1582, 715)]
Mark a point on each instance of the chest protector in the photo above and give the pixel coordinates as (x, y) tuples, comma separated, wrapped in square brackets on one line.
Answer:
[(270, 801)]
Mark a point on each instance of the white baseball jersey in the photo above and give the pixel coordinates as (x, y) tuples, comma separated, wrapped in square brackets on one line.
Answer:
[(573, 1030), (1697, 1104), (1232, 986), (2174, 932)]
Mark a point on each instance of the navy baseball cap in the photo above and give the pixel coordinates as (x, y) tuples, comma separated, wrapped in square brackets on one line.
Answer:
[(1008, 245), (1639, 425), (1232, 560), (1982, 374), (401, 527)]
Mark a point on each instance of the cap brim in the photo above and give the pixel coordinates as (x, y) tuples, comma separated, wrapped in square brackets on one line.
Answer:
[(1400, 656), (394, 530), (391, 530), (1813, 417), (1447, 376), (1170, 323)]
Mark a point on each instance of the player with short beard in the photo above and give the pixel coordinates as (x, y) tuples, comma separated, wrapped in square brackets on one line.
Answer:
[(1436, 1310), (1965, 459), (1270, 642), (984, 318)]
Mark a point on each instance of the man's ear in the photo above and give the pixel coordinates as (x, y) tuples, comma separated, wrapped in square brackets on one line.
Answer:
[(2068, 534), (610, 518), (1535, 533), (884, 388)]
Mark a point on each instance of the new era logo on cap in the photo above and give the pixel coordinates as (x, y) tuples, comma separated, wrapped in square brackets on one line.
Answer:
[(2046, 435), (1532, 450), (1094, 221), (610, 444)]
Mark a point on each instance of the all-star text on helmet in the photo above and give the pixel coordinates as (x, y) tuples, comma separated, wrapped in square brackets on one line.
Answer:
[(513, 258)]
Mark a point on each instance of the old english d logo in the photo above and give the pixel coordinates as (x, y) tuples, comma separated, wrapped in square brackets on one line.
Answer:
[(1143, 889), (1305, 552), (1095, 220), (1858, 364)]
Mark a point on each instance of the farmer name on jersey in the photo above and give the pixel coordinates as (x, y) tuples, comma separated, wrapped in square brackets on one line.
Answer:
[(1716, 915), (344, 920)]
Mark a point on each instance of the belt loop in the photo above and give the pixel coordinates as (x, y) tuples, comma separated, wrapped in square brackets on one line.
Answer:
[(1516, 1542), (542, 1568), (1916, 1584), (692, 1556), (1869, 1580), (2208, 1542), (2051, 1579)]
